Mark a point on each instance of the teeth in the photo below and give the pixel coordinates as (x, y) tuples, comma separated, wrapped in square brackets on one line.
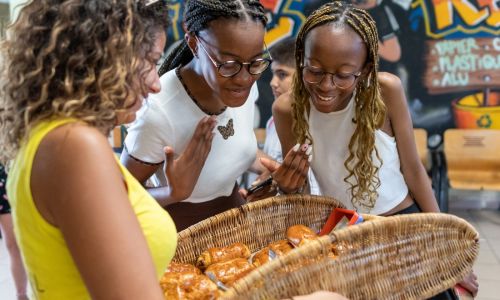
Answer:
[(325, 98)]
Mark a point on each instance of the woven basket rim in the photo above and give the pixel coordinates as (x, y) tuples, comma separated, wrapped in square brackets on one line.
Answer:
[(248, 207), (358, 230)]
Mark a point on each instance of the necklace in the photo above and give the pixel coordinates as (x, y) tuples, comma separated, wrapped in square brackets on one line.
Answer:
[(178, 73)]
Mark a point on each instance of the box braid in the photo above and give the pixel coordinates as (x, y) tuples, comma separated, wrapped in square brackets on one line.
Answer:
[(199, 13), (370, 109)]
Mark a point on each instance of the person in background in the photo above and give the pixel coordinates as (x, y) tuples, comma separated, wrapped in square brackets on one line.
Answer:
[(197, 135), (283, 69), (16, 262), (357, 120), (74, 69)]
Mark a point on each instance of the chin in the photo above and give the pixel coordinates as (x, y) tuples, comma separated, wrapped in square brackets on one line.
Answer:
[(235, 101)]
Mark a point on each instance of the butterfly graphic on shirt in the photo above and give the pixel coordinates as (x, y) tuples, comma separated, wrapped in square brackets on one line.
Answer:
[(226, 131)]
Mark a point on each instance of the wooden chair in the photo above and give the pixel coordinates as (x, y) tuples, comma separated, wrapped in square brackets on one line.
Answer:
[(422, 149), (472, 158)]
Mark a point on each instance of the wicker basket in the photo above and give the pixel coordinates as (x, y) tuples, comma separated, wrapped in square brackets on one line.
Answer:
[(403, 257), (256, 224)]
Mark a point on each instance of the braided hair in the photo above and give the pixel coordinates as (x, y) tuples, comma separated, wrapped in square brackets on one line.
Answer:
[(197, 16), (370, 110)]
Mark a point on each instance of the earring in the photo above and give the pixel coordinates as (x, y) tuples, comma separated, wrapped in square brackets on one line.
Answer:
[(367, 81)]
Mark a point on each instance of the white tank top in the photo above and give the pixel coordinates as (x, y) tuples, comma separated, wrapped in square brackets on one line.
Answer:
[(334, 130)]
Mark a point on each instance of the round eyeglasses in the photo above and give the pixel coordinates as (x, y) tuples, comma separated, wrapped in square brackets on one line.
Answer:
[(232, 67), (341, 80)]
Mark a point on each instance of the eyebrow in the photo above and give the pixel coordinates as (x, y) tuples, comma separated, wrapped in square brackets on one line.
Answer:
[(224, 53)]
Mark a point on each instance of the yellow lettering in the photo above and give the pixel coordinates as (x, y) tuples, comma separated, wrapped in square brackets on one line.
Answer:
[(466, 10), (494, 18)]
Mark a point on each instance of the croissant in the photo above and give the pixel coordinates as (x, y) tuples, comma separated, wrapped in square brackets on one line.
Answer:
[(216, 255), (229, 271), (188, 286), (280, 247), (299, 235), (182, 268)]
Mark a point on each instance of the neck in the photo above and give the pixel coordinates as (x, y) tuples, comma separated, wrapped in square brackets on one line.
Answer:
[(199, 90)]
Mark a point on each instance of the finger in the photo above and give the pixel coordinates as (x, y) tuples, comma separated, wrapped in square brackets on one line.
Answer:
[(169, 157), (243, 192), (270, 164), (299, 177), (295, 159)]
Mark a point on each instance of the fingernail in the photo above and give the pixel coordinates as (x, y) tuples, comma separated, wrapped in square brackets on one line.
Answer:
[(304, 147), (296, 148), (310, 158), (309, 150)]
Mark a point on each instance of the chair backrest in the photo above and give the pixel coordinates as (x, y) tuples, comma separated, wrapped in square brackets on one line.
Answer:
[(472, 158), (422, 149)]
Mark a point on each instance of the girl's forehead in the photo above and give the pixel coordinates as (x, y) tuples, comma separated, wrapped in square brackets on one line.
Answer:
[(327, 42), (241, 38)]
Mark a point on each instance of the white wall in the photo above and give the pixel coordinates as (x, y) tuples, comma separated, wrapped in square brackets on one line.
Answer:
[(14, 7)]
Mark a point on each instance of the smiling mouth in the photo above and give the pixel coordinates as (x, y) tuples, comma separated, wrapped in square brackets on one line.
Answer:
[(239, 91), (325, 99)]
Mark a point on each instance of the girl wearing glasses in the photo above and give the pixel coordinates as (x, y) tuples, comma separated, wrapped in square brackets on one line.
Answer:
[(364, 152), (197, 135)]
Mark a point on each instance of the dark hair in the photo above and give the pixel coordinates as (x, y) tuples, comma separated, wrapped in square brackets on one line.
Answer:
[(370, 109), (74, 58), (283, 52), (197, 16)]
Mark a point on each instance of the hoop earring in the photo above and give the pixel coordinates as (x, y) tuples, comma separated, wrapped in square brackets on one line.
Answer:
[(367, 81)]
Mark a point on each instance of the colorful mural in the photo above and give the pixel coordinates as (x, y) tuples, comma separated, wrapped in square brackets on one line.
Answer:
[(446, 52)]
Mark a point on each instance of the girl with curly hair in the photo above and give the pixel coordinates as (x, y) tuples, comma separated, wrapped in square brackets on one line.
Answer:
[(74, 69)]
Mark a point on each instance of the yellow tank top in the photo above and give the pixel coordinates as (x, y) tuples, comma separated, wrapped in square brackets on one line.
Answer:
[(52, 272)]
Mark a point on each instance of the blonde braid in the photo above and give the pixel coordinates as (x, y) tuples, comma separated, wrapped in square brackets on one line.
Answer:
[(370, 111)]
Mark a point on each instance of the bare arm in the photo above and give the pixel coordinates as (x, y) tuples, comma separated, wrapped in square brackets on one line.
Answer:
[(77, 186), (292, 173), (142, 172), (390, 49), (183, 172), (283, 120), (400, 123)]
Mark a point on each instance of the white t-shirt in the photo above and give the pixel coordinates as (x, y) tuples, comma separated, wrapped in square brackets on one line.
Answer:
[(170, 117), (331, 133)]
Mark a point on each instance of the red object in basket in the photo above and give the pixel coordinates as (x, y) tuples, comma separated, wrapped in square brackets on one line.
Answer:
[(337, 215), (462, 293)]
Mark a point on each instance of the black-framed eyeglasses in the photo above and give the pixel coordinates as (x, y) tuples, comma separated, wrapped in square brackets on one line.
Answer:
[(315, 75), (232, 67)]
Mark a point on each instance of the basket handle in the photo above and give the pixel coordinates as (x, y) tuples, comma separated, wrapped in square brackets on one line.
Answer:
[(337, 215)]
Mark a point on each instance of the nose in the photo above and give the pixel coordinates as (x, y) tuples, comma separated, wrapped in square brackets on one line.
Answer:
[(326, 83), (274, 82), (244, 76)]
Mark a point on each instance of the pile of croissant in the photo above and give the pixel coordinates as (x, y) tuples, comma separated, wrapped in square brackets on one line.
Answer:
[(227, 264)]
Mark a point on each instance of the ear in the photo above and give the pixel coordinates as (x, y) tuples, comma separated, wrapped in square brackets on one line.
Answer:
[(192, 43)]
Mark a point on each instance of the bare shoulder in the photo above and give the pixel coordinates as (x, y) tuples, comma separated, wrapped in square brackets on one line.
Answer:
[(389, 83), (283, 104), (391, 89), (75, 139)]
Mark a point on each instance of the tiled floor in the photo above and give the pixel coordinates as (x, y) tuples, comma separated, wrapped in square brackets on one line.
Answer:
[(487, 266)]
